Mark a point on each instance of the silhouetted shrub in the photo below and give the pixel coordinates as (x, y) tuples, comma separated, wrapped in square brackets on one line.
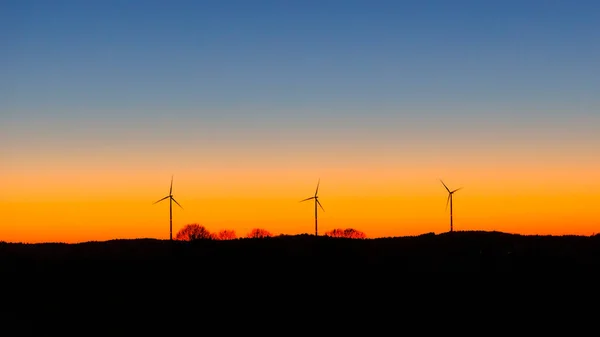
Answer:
[(259, 233), (349, 233), (193, 232), (226, 234)]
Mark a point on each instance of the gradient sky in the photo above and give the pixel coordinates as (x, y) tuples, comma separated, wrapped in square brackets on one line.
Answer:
[(249, 103)]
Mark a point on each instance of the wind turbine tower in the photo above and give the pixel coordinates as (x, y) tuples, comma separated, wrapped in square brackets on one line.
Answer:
[(171, 199), (317, 203), (449, 200)]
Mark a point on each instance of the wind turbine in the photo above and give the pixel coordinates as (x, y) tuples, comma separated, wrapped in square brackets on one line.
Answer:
[(171, 199), (450, 193), (316, 197)]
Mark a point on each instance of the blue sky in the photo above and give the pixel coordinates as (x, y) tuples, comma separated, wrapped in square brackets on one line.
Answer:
[(134, 67)]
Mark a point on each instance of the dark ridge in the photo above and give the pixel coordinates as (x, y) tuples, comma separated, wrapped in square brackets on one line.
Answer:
[(451, 251), (146, 286)]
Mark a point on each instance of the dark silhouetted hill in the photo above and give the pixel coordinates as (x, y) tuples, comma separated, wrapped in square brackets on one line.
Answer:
[(456, 251), (147, 287)]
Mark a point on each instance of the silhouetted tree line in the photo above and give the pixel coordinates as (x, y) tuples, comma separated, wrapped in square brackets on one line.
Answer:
[(258, 233), (349, 233), (194, 231)]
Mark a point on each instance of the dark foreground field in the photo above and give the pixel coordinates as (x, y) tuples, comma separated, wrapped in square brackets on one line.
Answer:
[(147, 286), (457, 251)]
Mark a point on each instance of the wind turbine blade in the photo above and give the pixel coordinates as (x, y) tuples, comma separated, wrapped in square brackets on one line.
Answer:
[(171, 189), (317, 190), (160, 200), (176, 202), (448, 200), (318, 202), (307, 199), (457, 189), (445, 186)]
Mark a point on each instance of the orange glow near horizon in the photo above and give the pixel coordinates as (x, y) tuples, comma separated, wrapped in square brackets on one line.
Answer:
[(382, 199)]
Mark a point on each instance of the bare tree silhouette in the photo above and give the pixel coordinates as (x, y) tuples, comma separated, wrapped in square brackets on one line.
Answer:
[(194, 231), (349, 233), (259, 233), (225, 234)]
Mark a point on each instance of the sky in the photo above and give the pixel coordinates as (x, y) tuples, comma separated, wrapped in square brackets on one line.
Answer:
[(248, 104)]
